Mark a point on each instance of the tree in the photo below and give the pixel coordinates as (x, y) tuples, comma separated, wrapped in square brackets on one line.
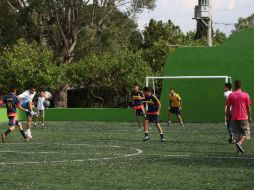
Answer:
[(159, 41), (120, 71), (60, 21), (25, 63), (190, 39), (245, 23), (118, 32)]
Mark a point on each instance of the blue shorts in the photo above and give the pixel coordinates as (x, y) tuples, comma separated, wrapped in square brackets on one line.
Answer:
[(153, 118), (25, 105), (13, 121), (140, 112)]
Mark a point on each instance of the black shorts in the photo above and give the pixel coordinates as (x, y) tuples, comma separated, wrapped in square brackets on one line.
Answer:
[(140, 112), (153, 118), (175, 110)]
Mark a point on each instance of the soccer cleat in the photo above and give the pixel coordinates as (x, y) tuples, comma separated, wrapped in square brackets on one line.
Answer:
[(146, 138), (169, 122), (28, 134), (163, 140), (239, 147), (181, 125), (3, 138), (35, 125), (42, 126)]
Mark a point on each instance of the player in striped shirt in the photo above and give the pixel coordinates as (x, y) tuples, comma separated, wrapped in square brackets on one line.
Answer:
[(152, 114), (12, 103), (138, 104)]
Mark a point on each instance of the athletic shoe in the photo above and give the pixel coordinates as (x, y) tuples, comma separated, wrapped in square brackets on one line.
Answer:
[(181, 125), (28, 134), (42, 125), (3, 138), (163, 140), (239, 147), (169, 122), (35, 125), (146, 138)]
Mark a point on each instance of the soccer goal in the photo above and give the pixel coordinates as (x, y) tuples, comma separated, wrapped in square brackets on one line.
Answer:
[(202, 96)]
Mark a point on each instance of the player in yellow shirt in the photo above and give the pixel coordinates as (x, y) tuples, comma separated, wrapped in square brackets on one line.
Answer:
[(175, 106)]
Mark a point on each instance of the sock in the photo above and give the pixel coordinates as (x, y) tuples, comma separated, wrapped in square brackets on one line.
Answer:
[(7, 132), (23, 134), (146, 134), (162, 136)]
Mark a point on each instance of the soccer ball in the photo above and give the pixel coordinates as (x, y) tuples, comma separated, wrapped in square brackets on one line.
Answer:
[(48, 95), (46, 103)]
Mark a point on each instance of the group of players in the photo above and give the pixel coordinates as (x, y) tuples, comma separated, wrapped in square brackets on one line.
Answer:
[(25, 102), (146, 105), (237, 112)]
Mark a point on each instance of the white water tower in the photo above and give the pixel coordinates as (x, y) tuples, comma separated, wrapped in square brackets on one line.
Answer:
[(203, 12)]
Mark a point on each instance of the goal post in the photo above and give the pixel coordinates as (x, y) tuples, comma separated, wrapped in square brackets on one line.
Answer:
[(202, 96)]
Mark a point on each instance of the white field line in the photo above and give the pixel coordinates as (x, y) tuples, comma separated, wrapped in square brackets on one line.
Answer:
[(199, 156), (114, 156), (65, 153), (138, 152)]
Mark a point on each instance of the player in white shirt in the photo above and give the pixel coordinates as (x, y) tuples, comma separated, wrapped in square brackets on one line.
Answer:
[(228, 123), (26, 99), (40, 109)]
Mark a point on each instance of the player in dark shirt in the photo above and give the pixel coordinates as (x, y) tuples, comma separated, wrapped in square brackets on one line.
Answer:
[(138, 104), (153, 113), (12, 102)]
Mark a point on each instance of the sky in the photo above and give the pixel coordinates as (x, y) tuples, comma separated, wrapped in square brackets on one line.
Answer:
[(181, 13)]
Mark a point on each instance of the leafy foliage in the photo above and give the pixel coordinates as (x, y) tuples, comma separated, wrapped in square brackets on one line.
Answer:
[(111, 72), (245, 23), (158, 40), (29, 63)]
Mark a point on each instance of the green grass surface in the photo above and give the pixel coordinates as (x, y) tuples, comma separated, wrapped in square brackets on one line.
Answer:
[(233, 58), (96, 155)]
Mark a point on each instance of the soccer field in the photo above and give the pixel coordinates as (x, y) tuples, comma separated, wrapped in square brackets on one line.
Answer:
[(93, 155)]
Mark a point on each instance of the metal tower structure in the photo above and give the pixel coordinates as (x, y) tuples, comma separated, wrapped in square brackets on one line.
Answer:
[(203, 12)]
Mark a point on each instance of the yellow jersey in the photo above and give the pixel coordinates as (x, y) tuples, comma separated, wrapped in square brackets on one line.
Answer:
[(175, 100)]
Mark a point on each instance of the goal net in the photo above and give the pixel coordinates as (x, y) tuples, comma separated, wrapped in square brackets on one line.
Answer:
[(202, 96)]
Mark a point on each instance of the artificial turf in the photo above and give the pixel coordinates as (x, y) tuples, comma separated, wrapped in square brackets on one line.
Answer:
[(96, 155)]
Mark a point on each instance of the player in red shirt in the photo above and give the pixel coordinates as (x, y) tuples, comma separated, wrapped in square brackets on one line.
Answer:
[(239, 106)]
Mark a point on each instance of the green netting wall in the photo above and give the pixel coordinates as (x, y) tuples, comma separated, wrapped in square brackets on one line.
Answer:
[(203, 99)]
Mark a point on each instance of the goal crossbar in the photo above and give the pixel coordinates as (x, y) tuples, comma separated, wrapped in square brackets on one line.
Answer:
[(153, 78)]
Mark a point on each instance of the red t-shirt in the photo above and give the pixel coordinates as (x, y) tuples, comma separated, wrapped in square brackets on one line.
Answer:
[(239, 101)]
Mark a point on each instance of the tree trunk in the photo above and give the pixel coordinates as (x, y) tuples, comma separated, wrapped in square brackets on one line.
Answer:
[(60, 98)]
